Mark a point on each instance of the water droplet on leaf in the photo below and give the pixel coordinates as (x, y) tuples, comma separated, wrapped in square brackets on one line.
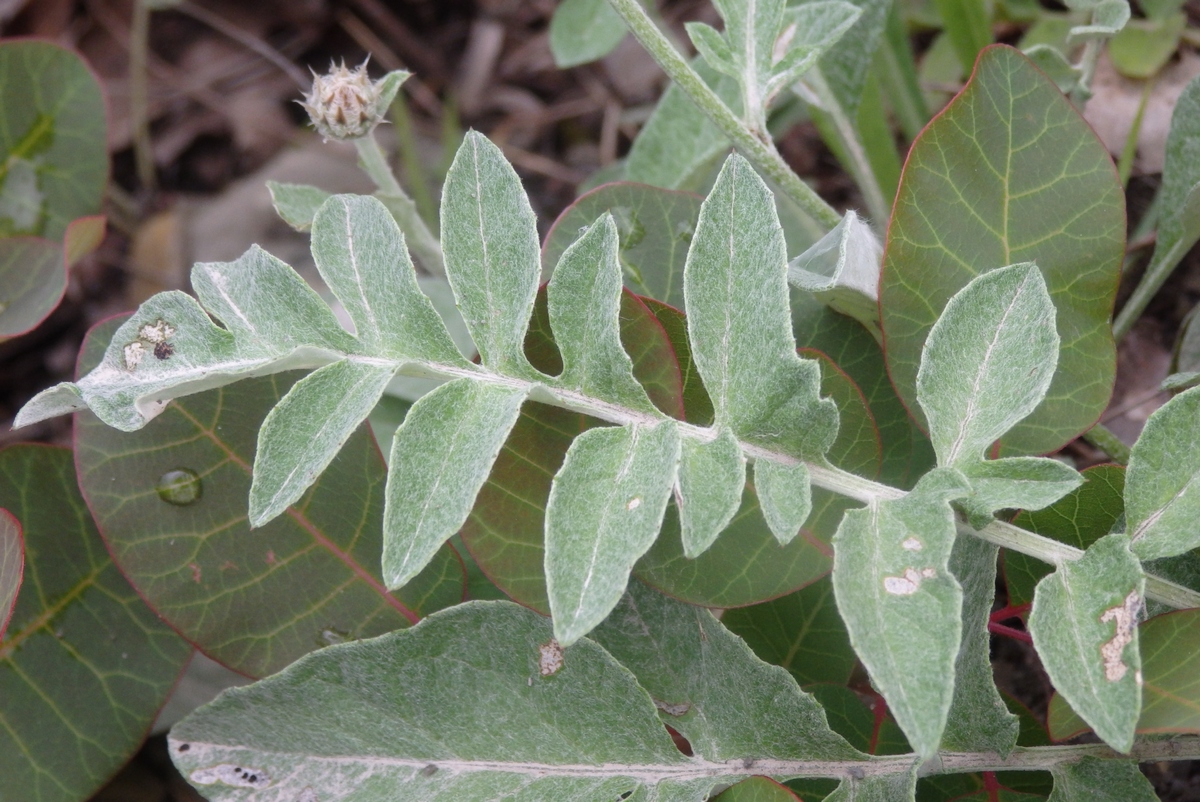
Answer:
[(180, 487)]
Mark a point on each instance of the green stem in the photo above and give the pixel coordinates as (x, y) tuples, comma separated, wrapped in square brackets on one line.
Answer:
[(1023, 758), (424, 244), (1087, 66), (139, 112), (823, 475), (847, 134), (1102, 438), (1156, 275), (760, 152)]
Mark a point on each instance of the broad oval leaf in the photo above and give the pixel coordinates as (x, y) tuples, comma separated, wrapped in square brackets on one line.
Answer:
[(655, 227), (85, 665), (254, 600), (1084, 626), (987, 362), (563, 723), (52, 141), (1162, 484), (583, 31), (801, 632), (12, 565), (1009, 172), (33, 278)]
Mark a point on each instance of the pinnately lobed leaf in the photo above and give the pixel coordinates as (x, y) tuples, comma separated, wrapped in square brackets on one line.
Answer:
[(397, 718)]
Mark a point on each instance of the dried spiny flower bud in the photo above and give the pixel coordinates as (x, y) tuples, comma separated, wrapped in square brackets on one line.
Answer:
[(344, 104)]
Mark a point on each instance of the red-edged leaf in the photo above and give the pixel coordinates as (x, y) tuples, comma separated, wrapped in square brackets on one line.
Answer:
[(12, 565), (171, 501)]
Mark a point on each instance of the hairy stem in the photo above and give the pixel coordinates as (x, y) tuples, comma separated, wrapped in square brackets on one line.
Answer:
[(1103, 438), (760, 151), (822, 475), (1023, 758), (424, 244)]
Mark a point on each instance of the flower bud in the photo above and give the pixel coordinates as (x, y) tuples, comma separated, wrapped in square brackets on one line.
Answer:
[(344, 104)]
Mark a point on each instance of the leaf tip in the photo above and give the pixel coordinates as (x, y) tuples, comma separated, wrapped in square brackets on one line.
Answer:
[(61, 399)]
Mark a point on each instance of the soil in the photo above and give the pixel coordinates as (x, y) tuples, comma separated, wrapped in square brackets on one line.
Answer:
[(224, 76)]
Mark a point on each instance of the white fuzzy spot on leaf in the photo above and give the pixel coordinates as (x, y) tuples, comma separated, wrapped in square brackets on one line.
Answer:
[(1126, 617), (550, 659)]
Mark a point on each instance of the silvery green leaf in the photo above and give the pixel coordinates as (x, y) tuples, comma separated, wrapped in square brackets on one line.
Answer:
[(751, 31), (988, 361), (739, 324), (438, 290), (1084, 626), (784, 495), (360, 253), (584, 298), (842, 270), (1027, 483), (809, 31), (901, 604), (845, 67), (170, 347), (1179, 198), (709, 491), (979, 720), (441, 456), (713, 47), (1162, 485), (884, 788), (306, 430), (679, 144), (1108, 18), (398, 718), (387, 87), (605, 509), (1095, 780), (711, 688), (297, 204), (492, 254), (584, 30)]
